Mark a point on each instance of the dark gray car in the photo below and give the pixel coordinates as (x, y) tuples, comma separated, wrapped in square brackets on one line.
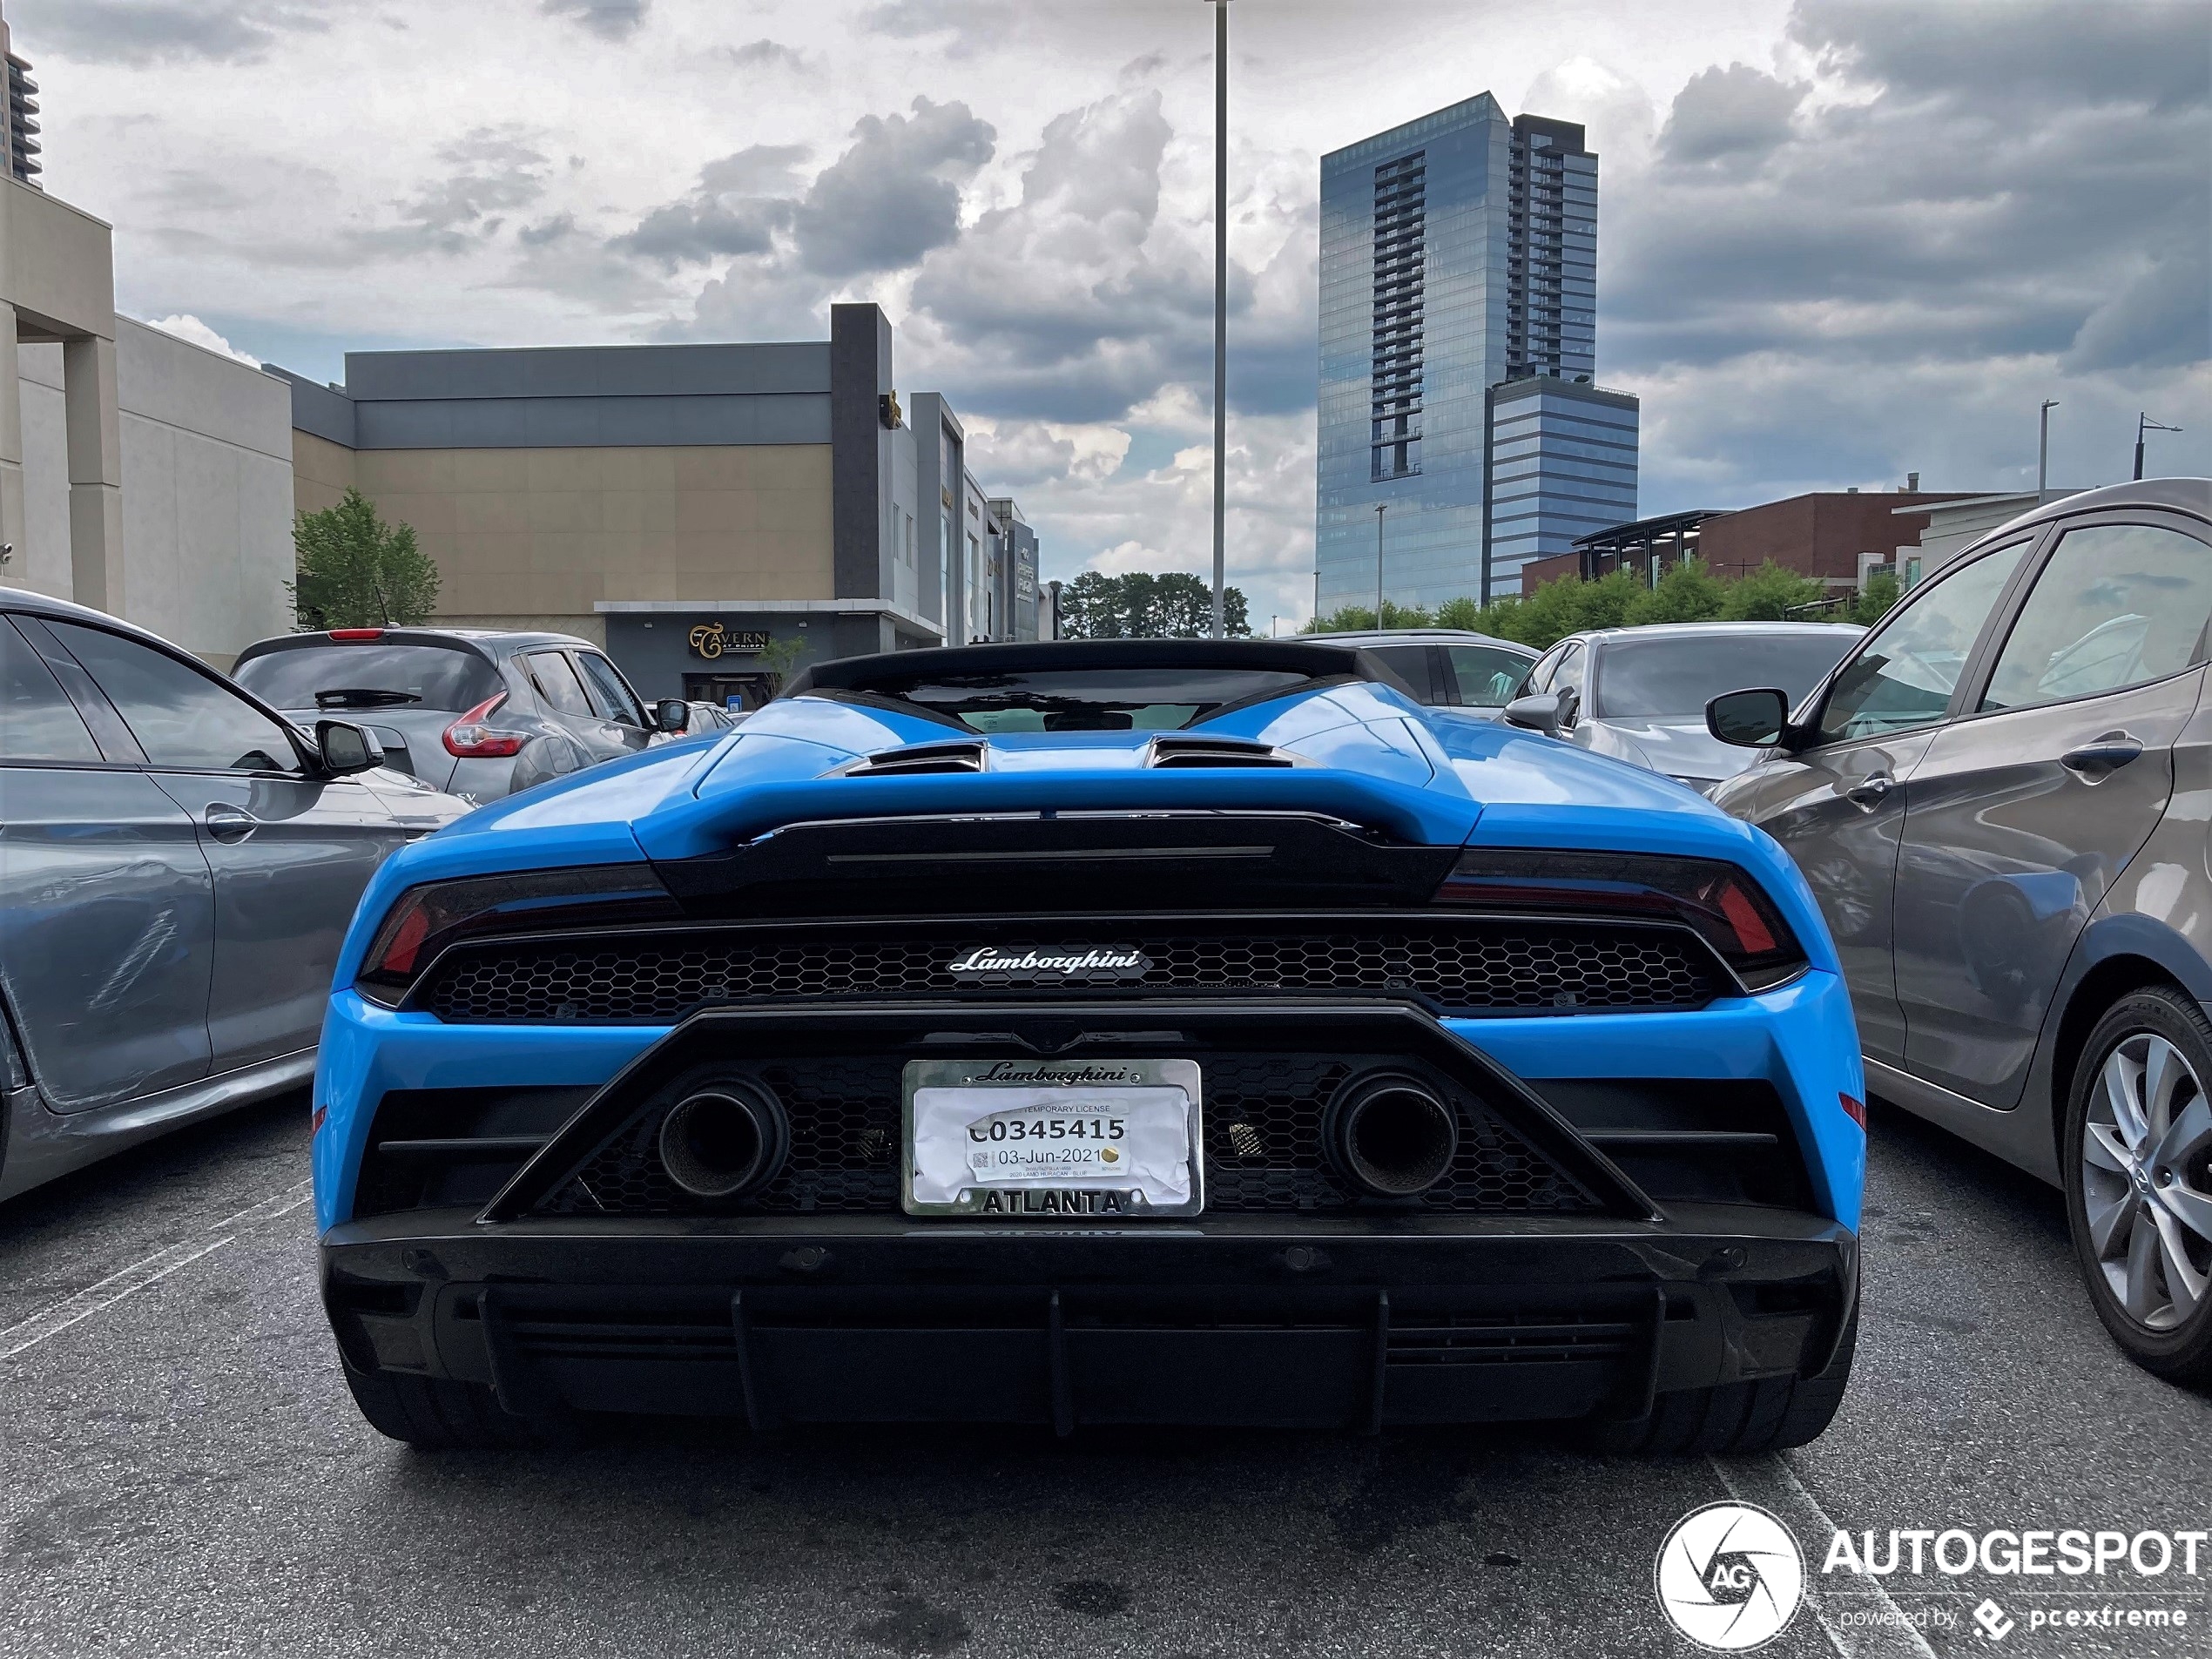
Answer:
[(178, 866), (2002, 801), (477, 712), (1448, 668)]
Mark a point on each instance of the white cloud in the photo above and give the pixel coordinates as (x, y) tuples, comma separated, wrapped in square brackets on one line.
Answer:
[(187, 327), (1966, 209)]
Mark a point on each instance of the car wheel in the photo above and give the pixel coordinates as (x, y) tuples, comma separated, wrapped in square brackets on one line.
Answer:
[(437, 1414), (1737, 1419), (2138, 1166)]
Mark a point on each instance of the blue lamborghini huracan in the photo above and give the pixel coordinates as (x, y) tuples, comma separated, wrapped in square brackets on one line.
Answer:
[(1149, 1031)]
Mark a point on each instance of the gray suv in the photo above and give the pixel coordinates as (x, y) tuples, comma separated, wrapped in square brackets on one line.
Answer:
[(480, 713), (2002, 799), (177, 865)]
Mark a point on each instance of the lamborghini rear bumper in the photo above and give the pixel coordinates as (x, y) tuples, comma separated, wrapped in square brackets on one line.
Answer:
[(1252, 1320)]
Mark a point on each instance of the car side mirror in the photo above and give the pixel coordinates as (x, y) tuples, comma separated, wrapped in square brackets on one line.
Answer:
[(1542, 713), (672, 714), (1753, 719), (348, 748)]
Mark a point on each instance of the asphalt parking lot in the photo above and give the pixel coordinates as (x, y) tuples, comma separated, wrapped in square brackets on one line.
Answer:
[(181, 1471)]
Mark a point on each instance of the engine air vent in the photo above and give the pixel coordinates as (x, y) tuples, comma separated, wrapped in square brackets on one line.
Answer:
[(1179, 752), (919, 759)]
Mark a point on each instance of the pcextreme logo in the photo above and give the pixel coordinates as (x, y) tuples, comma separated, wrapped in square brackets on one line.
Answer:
[(1730, 1577)]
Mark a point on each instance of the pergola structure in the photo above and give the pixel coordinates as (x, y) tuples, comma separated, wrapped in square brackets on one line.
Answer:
[(1649, 546)]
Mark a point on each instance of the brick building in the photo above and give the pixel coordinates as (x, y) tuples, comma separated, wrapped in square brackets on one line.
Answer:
[(1836, 536)]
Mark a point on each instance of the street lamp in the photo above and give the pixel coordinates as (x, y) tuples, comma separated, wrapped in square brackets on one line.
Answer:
[(2043, 450), (1381, 507), (2144, 423), (1220, 304)]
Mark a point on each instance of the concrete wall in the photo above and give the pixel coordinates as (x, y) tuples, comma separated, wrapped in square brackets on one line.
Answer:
[(57, 268), (206, 497), (1949, 531), (551, 532), (57, 287)]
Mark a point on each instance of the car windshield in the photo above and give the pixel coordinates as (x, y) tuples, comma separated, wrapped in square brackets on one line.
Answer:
[(370, 677), (1660, 677), (1088, 700)]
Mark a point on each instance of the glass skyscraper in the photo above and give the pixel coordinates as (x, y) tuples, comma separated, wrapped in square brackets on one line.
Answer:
[(1458, 252), (1562, 464)]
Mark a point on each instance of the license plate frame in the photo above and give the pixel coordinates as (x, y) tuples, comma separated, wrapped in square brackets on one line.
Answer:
[(1040, 1199)]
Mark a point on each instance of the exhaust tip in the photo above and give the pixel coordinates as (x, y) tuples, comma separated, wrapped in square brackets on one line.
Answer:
[(724, 1141), (1392, 1134)]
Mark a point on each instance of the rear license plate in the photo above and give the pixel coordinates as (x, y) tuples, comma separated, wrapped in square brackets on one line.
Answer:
[(1112, 1138)]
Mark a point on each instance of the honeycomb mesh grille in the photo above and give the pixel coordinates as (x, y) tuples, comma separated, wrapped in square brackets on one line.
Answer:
[(1262, 1123), (1468, 966)]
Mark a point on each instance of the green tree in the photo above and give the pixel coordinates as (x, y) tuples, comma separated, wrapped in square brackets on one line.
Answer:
[(1611, 601), (1501, 618), (1462, 612), (1772, 594), (1688, 592), (779, 657), (1875, 600), (356, 571), (1547, 616), (1091, 608), (1140, 605), (1357, 619)]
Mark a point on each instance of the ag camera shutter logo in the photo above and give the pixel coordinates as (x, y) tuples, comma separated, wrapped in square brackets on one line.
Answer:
[(1730, 1576)]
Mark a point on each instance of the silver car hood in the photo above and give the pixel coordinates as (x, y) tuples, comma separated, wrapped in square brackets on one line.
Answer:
[(1679, 748)]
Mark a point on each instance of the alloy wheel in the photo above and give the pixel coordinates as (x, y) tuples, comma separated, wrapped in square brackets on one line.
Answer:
[(2146, 1188)]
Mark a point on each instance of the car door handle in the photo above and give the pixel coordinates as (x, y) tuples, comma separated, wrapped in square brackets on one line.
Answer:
[(1871, 791), (229, 824), (2094, 762)]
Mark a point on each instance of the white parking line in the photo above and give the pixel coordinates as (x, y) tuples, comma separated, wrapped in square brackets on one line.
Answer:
[(105, 1294), (1769, 1482), (269, 1209), (128, 1281)]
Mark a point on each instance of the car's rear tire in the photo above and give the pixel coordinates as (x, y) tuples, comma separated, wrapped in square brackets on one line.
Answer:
[(437, 1414), (2137, 1159), (1737, 1419)]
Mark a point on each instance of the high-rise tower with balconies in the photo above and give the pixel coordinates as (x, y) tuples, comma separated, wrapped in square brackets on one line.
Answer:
[(1459, 253), (19, 133)]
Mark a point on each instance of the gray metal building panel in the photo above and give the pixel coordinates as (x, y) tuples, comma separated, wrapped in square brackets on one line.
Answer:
[(860, 450), (578, 422), (319, 410), (591, 371)]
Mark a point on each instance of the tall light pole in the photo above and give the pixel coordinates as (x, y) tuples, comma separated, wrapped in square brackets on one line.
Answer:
[(2144, 423), (2043, 450), (1220, 305), (1381, 507)]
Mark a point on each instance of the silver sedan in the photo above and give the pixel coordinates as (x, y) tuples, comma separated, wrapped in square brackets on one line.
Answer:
[(1639, 694)]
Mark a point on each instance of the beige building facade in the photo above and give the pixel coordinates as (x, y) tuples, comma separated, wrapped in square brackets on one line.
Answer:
[(539, 537), (686, 506)]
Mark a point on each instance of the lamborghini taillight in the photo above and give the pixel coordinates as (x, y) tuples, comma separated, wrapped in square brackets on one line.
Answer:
[(1719, 900), (424, 920)]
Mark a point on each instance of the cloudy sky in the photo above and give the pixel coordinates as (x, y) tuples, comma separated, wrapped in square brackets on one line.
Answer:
[(1838, 242)]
